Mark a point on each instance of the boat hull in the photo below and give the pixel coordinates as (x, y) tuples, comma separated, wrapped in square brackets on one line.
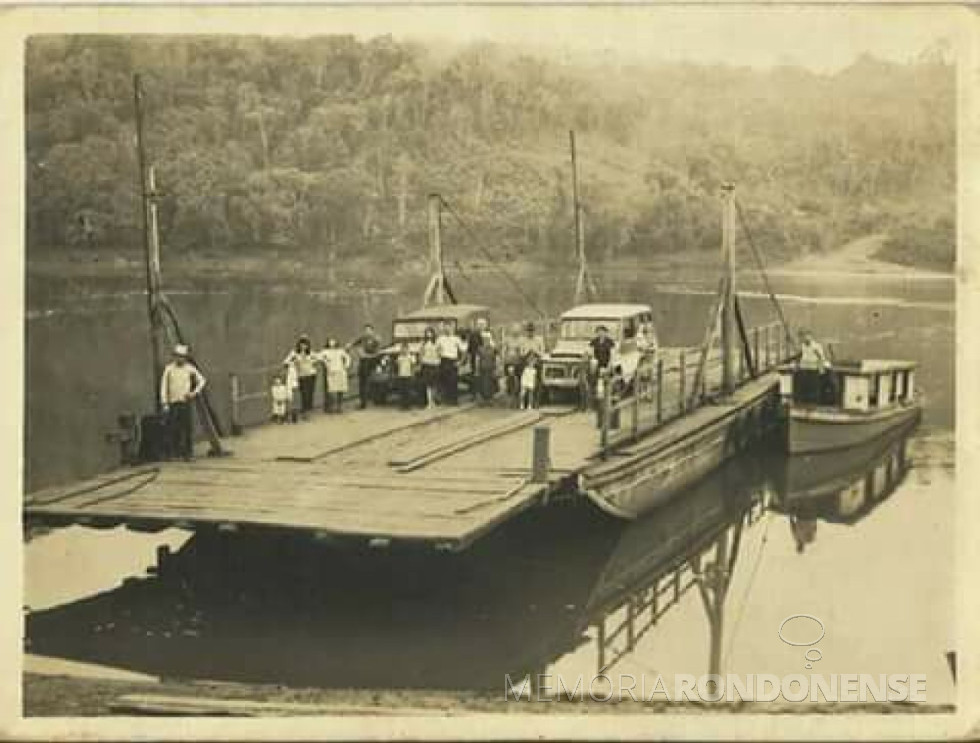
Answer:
[(818, 430), (646, 477)]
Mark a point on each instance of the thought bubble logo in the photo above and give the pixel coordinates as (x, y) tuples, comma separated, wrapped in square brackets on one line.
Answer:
[(813, 654)]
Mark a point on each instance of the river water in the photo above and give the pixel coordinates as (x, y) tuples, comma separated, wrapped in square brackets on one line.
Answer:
[(545, 594)]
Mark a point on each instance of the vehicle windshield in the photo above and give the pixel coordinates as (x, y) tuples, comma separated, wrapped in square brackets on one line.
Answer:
[(585, 330), (408, 330)]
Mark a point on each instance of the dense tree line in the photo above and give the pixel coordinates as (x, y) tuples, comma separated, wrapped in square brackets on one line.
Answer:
[(326, 147)]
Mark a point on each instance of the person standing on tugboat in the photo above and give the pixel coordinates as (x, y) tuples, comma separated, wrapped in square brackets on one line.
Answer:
[(814, 363)]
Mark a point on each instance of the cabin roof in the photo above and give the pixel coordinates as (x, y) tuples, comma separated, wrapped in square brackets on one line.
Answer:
[(873, 366), (864, 366), (445, 312), (604, 311)]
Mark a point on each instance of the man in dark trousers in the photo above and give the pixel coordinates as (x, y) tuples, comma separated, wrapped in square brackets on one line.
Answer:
[(369, 345), (602, 347), (180, 384)]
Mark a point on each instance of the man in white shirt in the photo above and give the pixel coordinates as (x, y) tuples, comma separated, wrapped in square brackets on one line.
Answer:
[(180, 384), (451, 348), (812, 355), (815, 382)]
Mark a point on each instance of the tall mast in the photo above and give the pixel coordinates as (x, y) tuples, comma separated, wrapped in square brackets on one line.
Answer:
[(435, 291), (583, 284), (728, 289), (150, 246), (579, 241)]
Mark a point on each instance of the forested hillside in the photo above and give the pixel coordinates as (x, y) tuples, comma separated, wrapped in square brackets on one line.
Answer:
[(325, 148)]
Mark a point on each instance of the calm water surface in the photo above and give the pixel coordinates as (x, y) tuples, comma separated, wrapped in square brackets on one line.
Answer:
[(545, 594)]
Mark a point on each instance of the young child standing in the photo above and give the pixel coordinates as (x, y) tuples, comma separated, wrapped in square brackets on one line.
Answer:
[(281, 396), (529, 382), (404, 375)]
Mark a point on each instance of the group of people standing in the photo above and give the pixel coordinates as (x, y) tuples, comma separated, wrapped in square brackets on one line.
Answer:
[(432, 367), (293, 390)]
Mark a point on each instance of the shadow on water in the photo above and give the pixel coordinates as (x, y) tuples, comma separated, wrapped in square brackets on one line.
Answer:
[(281, 609)]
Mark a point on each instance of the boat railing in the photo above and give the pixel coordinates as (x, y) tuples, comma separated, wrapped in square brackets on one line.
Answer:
[(250, 396), (661, 390)]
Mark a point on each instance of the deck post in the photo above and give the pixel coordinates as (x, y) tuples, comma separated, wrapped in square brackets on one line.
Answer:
[(660, 390), (163, 564), (631, 623), (768, 346), (741, 363), (236, 392), (704, 376), (604, 413), (601, 642), (755, 349), (653, 603), (677, 585), (682, 384), (635, 411), (541, 454)]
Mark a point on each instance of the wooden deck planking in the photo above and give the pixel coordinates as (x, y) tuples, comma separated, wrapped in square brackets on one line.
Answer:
[(311, 495), (460, 524)]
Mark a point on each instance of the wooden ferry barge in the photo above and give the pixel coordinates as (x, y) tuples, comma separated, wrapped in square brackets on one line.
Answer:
[(443, 478)]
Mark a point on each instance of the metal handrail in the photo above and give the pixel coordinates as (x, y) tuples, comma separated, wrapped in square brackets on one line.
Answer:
[(768, 351)]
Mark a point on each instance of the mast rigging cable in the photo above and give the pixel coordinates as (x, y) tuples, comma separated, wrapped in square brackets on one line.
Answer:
[(760, 263), (493, 261)]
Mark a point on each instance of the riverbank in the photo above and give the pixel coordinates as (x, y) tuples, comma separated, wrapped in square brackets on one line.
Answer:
[(858, 257), (55, 278), (63, 696)]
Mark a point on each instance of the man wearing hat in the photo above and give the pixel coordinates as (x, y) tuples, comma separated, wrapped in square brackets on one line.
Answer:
[(180, 384)]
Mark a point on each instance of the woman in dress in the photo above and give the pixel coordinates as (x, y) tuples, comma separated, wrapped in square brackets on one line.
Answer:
[(303, 360), (336, 363), (429, 359)]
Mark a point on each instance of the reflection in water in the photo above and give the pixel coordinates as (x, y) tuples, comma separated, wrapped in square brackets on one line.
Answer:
[(284, 610), (841, 486)]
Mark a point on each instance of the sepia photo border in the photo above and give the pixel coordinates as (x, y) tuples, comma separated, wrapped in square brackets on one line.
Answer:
[(18, 23)]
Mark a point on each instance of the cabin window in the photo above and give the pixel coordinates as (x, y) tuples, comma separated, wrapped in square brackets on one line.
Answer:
[(894, 391), (873, 393), (812, 387), (629, 328), (856, 392)]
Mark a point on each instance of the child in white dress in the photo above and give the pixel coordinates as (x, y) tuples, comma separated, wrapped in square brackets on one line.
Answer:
[(281, 396), (529, 382)]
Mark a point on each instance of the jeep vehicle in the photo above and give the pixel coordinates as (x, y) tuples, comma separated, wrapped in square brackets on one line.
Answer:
[(629, 325), (410, 329)]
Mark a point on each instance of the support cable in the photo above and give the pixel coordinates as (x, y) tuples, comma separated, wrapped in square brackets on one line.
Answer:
[(492, 260), (760, 263)]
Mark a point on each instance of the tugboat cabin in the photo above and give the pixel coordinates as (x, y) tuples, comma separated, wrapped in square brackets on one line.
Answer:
[(858, 386), (847, 403)]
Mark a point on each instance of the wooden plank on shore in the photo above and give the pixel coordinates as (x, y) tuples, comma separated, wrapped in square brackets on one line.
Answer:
[(172, 705)]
